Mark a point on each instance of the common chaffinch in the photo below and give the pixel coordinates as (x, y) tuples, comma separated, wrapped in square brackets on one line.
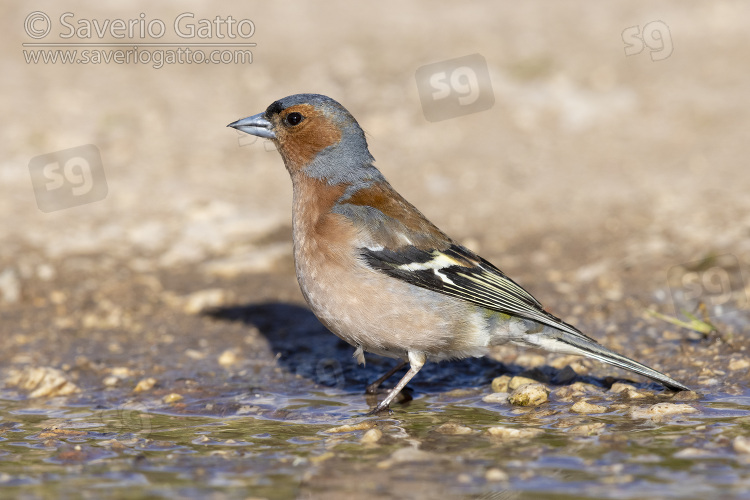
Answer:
[(380, 275)]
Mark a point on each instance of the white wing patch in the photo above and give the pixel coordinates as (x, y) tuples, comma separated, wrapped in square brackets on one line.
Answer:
[(441, 261), (443, 277)]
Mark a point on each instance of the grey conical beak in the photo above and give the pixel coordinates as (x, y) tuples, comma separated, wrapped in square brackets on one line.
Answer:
[(255, 125)]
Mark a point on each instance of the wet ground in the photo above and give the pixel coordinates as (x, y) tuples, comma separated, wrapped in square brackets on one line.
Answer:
[(257, 398), (154, 340)]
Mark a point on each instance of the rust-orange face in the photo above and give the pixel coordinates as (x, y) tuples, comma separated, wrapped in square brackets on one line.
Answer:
[(300, 131), (314, 134)]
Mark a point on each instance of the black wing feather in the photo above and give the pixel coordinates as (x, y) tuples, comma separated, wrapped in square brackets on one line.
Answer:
[(462, 274)]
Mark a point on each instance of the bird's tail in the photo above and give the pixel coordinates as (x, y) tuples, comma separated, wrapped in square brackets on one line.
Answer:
[(578, 343)]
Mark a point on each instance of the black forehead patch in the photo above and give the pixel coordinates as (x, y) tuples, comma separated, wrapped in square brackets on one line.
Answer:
[(316, 100), (274, 109)]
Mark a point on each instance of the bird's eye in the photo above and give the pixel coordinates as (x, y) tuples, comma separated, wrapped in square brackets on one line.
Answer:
[(294, 118)]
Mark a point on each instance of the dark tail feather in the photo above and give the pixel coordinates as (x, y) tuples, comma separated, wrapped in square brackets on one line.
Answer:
[(594, 350)]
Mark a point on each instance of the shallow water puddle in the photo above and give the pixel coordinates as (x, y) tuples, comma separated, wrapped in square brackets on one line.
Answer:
[(277, 446)]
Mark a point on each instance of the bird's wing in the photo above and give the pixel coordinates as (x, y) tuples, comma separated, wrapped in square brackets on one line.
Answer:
[(396, 239), (458, 272)]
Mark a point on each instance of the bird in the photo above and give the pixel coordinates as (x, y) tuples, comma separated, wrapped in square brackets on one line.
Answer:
[(382, 277)]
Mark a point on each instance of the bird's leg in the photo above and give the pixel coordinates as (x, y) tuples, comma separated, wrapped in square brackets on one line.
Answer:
[(416, 362), (373, 388)]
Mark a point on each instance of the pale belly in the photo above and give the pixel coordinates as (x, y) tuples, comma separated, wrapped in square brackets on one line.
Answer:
[(387, 316)]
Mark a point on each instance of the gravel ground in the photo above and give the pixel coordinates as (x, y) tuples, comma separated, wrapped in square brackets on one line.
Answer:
[(154, 338)]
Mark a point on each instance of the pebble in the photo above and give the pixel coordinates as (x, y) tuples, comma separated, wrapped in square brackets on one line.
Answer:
[(42, 382), (145, 384), (500, 384), (496, 397), (518, 381), (228, 358), (709, 381), (686, 396), (629, 390), (61, 433), (201, 300), (529, 395), (585, 407), (530, 360), (193, 354), (172, 398), (372, 436), (496, 475), (453, 429), (619, 387), (513, 432), (121, 371), (575, 390), (739, 364), (587, 429), (662, 410), (351, 427), (117, 373)]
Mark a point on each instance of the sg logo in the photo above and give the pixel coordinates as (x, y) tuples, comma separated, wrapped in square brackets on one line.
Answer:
[(715, 282), (463, 81), (455, 87), (655, 35), (68, 178)]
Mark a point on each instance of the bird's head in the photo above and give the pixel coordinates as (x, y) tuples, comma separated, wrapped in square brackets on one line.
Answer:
[(316, 137)]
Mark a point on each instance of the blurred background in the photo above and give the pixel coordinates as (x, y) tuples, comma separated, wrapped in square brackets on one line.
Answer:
[(587, 154), (596, 152)]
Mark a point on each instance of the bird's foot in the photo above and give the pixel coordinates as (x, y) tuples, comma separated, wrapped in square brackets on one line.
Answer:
[(378, 409), (402, 397)]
